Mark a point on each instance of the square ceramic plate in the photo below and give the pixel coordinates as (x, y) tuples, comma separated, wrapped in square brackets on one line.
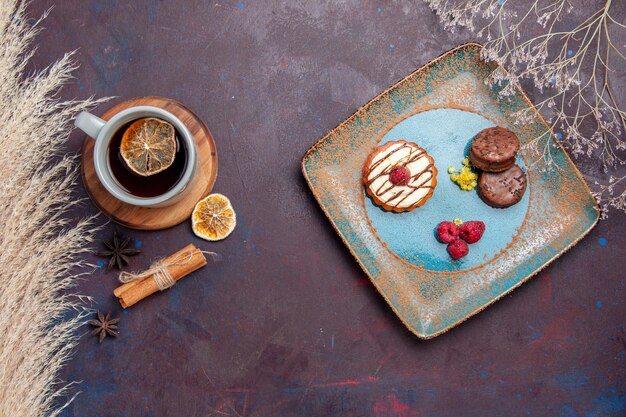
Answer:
[(441, 107)]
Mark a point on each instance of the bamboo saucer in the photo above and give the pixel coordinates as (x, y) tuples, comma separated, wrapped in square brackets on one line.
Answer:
[(144, 218)]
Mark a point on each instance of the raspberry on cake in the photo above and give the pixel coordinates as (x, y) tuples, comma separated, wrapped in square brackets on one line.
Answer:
[(399, 176)]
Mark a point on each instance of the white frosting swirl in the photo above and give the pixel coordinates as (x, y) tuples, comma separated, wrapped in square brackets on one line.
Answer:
[(412, 157)]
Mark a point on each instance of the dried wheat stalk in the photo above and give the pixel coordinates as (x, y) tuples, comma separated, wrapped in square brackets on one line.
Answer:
[(39, 247)]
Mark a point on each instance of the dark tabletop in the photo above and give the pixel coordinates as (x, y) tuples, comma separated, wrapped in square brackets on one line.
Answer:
[(288, 324)]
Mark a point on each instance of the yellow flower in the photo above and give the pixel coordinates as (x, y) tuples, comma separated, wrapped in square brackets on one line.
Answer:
[(465, 178), (458, 221)]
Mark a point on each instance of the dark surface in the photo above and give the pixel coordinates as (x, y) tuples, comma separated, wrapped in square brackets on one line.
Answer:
[(288, 324)]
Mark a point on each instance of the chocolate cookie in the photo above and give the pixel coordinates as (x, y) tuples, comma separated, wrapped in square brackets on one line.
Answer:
[(494, 149), (502, 189)]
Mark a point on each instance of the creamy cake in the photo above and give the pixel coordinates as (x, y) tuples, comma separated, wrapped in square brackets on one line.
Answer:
[(399, 176)]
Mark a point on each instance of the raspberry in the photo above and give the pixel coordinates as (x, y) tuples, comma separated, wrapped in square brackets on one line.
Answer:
[(447, 232), (458, 249), (399, 175), (471, 232)]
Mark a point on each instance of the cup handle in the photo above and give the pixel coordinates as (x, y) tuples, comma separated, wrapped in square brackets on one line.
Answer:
[(90, 124)]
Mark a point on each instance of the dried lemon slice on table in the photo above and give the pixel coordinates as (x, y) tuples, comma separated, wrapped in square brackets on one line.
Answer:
[(213, 218), (149, 146)]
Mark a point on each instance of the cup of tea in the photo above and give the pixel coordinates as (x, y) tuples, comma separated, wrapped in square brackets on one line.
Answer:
[(158, 190)]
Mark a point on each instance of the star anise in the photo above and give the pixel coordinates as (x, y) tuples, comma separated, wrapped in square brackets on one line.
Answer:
[(104, 326), (118, 252)]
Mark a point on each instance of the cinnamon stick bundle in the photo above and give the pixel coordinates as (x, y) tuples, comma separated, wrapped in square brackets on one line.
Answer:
[(180, 264)]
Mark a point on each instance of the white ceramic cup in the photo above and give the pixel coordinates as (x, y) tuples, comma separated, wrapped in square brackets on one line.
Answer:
[(102, 131)]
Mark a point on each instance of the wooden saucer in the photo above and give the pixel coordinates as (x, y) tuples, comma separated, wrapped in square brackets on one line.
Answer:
[(144, 218)]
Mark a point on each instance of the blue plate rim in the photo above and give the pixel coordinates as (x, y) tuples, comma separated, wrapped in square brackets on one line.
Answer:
[(362, 109)]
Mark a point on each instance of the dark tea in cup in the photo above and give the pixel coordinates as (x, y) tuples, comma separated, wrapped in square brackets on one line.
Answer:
[(145, 186)]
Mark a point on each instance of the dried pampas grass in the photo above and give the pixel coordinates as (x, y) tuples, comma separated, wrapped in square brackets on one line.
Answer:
[(39, 247)]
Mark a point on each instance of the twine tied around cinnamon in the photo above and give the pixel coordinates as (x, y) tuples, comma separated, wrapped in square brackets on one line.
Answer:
[(160, 269)]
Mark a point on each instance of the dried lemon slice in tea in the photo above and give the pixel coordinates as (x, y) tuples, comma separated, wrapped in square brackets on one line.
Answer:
[(213, 218), (148, 146)]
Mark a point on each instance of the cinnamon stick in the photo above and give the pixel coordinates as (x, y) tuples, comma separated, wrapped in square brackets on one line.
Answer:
[(132, 292)]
